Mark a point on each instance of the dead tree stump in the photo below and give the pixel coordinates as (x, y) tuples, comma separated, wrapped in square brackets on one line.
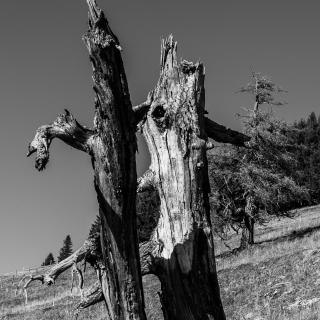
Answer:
[(175, 131)]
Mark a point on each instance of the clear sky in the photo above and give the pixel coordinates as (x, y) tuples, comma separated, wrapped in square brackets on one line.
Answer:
[(44, 67)]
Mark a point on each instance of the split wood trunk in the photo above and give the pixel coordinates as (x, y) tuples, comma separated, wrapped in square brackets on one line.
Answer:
[(174, 129), (180, 250)]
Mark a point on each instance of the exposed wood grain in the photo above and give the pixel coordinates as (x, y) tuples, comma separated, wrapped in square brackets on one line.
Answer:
[(176, 136), (65, 128)]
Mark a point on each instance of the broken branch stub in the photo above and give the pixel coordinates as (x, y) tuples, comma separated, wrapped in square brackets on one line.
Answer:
[(67, 129)]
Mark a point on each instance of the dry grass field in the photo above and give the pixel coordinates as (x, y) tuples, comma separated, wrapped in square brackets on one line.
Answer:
[(278, 278)]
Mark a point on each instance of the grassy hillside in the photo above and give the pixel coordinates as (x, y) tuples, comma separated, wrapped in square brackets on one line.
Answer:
[(57, 302), (278, 278)]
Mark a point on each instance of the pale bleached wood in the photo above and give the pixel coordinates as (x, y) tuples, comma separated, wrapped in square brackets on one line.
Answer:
[(175, 132)]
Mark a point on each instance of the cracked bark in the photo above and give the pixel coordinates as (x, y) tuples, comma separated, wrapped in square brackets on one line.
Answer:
[(89, 252), (175, 132), (112, 146), (172, 120)]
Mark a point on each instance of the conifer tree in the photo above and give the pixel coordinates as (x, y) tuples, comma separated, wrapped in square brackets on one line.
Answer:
[(49, 260), (252, 184), (66, 249), (306, 136), (95, 228), (263, 90)]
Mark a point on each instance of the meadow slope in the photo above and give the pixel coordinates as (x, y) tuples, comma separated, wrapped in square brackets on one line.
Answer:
[(278, 278)]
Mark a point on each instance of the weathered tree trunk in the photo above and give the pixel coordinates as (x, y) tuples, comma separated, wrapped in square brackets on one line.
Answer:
[(247, 234), (180, 250), (113, 158), (174, 129), (112, 146)]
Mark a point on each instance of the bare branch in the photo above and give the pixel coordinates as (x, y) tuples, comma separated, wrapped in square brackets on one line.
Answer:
[(220, 133), (94, 294), (51, 275), (26, 285), (66, 128), (141, 110)]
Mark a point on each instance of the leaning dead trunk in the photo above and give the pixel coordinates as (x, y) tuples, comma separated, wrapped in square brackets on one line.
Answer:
[(112, 146), (174, 129), (113, 158)]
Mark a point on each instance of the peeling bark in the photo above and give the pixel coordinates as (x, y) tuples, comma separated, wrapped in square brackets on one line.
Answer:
[(174, 129), (113, 158)]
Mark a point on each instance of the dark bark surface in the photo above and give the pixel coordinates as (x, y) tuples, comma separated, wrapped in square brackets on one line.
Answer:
[(112, 146), (113, 158), (222, 134), (247, 234)]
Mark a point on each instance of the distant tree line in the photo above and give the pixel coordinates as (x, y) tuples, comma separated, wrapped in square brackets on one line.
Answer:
[(306, 137), (65, 251), (49, 260)]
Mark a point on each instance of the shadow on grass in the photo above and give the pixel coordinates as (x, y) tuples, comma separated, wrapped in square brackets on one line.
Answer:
[(295, 234)]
